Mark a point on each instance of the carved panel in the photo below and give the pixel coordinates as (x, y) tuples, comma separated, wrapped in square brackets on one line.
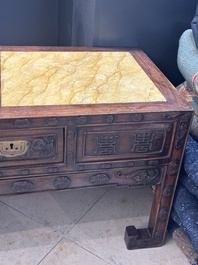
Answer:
[(52, 121), (22, 186), (143, 142), (38, 146), (62, 182), (173, 167), (81, 120), (25, 172), (182, 130), (80, 167), (131, 164), (22, 123), (153, 162), (105, 144), (106, 166), (42, 147), (140, 177), (71, 134), (120, 142), (163, 214), (109, 118), (136, 117), (168, 191), (99, 179), (70, 157)]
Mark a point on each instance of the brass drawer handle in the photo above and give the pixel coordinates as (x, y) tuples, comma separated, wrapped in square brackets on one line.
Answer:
[(14, 148)]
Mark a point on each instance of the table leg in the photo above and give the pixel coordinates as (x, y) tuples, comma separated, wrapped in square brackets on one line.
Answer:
[(155, 233)]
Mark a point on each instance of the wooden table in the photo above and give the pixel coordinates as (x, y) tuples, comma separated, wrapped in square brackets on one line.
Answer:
[(77, 117)]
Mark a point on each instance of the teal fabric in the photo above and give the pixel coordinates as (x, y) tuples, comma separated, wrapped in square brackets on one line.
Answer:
[(187, 59), (185, 205), (194, 26), (192, 98)]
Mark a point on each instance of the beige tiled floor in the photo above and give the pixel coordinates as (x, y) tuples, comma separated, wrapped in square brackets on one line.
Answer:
[(79, 227)]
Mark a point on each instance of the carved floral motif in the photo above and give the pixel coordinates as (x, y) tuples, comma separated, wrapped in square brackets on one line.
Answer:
[(109, 118), (71, 134), (22, 123), (22, 186), (52, 121), (42, 147), (99, 179), (106, 166), (137, 117), (168, 191), (173, 167), (131, 164), (25, 171), (80, 167), (62, 182), (163, 214), (81, 120), (70, 156), (153, 162)]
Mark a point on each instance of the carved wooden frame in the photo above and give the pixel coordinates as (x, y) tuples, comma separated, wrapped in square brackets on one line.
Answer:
[(66, 166)]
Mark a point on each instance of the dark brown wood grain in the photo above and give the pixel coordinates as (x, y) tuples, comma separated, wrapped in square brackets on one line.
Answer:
[(174, 101), (75, 146)]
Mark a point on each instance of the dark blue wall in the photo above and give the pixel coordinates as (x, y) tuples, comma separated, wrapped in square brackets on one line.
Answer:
[(65, 22), (152, 25), (28, 22)]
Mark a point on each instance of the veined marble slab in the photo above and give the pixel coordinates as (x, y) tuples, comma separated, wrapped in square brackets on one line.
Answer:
[(56, 78)]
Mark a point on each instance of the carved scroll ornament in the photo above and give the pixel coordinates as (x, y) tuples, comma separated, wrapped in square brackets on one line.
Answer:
[(144, 176), (182, 130)]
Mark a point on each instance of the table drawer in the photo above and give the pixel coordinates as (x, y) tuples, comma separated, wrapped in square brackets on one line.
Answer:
[(31, 147), (124, 142)]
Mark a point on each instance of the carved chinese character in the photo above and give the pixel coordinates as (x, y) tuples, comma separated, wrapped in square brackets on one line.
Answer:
[(106, 145), (143, 142)]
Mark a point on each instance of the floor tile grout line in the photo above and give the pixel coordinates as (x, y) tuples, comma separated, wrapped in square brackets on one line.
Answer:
[(87, 250), (50, 251), (29, 217), (75, 243), (88, 210), (51, 227)]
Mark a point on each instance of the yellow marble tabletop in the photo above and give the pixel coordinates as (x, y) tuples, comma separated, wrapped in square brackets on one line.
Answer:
[(51, 78)]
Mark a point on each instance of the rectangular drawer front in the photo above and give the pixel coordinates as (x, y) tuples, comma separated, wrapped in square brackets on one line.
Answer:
[(124, 142), (31, 147)]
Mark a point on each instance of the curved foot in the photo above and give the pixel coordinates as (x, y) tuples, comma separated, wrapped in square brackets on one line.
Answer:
[(141, 238)]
